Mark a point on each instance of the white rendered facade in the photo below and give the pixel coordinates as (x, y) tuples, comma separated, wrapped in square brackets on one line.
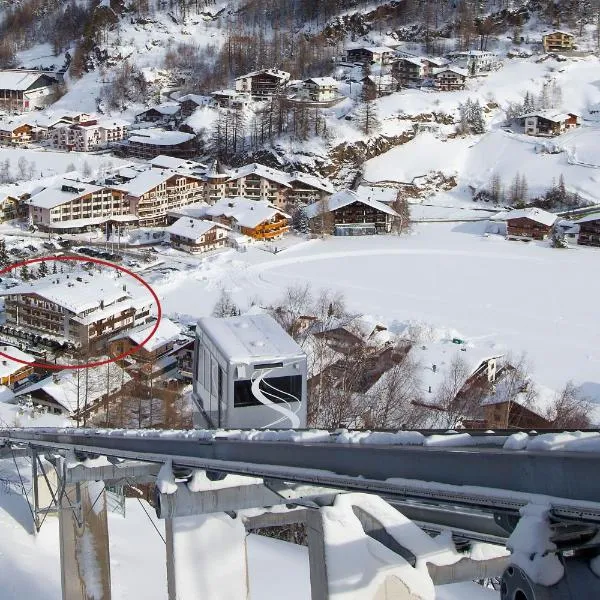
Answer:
[(248, 372)]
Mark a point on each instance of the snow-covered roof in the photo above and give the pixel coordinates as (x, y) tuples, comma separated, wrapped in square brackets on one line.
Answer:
[(472, 53), (244, 211), (541, 401), (192, 229), (160, 137), (227, 92), (195, 98), (550, 115), (534, 214), (64, 387), (457, 70), (146, 181), (128, 218), (18, 80), (319, 183), (167, 331), (250, 338), (98, 293), (435, 360), (167, 109), (322, 81), (8, 366), (275, 175), (195, 210), (559, 31), (344, 198), (62, 190), (284, 75), (372, 49), (386, 79), (170, 162), (414, 60), (592, 217)]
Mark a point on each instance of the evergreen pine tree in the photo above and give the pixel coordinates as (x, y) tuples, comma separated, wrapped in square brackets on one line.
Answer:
[(4, 259), (43, 269), (24, 273), (54, 269), (303, 224)]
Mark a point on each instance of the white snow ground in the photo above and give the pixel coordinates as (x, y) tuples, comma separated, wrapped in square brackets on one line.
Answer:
[(521, 297)]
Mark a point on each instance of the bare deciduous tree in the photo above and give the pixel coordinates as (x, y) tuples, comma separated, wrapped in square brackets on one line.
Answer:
[(569, 410)]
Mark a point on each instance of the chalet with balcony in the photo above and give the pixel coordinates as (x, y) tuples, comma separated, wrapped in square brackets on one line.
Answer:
[(196, 235), (347, 213), (11, 371), (163, 113), (156, 356), (529, 224), (558, 41), (321, 89), (589, 230), (257, 219), (370, 55), (262, 84), (190, 103), (449, 79), (15, 134), (376, 86), (548, 123), (22, 90)]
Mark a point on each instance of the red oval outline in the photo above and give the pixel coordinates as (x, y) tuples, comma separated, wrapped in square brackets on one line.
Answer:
[(100, 262)]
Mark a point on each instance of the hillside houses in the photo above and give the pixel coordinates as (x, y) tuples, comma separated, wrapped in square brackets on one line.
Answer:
[(189, 103), (257, 219), (321, 89), (89, 135), (529, 224), (475, 61), (161, 114), (413, 71), (376, 86), (558, 41), (589, 230), (15, 134), (347, 213), (449, 79), (263, 83), (23, 91), (231, 99), (370, 55), (548, 123)]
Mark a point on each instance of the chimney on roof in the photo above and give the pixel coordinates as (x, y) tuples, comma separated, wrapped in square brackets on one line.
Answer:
[(55, 378)]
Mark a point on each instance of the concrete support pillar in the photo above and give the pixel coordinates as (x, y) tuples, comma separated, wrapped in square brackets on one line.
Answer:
[(319, 586), (206, 558), (84, 543)]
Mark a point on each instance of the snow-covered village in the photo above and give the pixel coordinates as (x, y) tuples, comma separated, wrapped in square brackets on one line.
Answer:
[(292, 300)]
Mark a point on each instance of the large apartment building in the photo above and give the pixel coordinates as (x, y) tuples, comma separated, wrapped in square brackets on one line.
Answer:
[(88, 135), (70, 205), (153, 193), (81, 308), (143, 196)]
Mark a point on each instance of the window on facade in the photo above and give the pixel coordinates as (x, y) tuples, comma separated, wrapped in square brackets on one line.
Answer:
[(290, 384)]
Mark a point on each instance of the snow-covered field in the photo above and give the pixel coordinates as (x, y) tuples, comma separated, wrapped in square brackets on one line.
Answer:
[(515, 296)]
